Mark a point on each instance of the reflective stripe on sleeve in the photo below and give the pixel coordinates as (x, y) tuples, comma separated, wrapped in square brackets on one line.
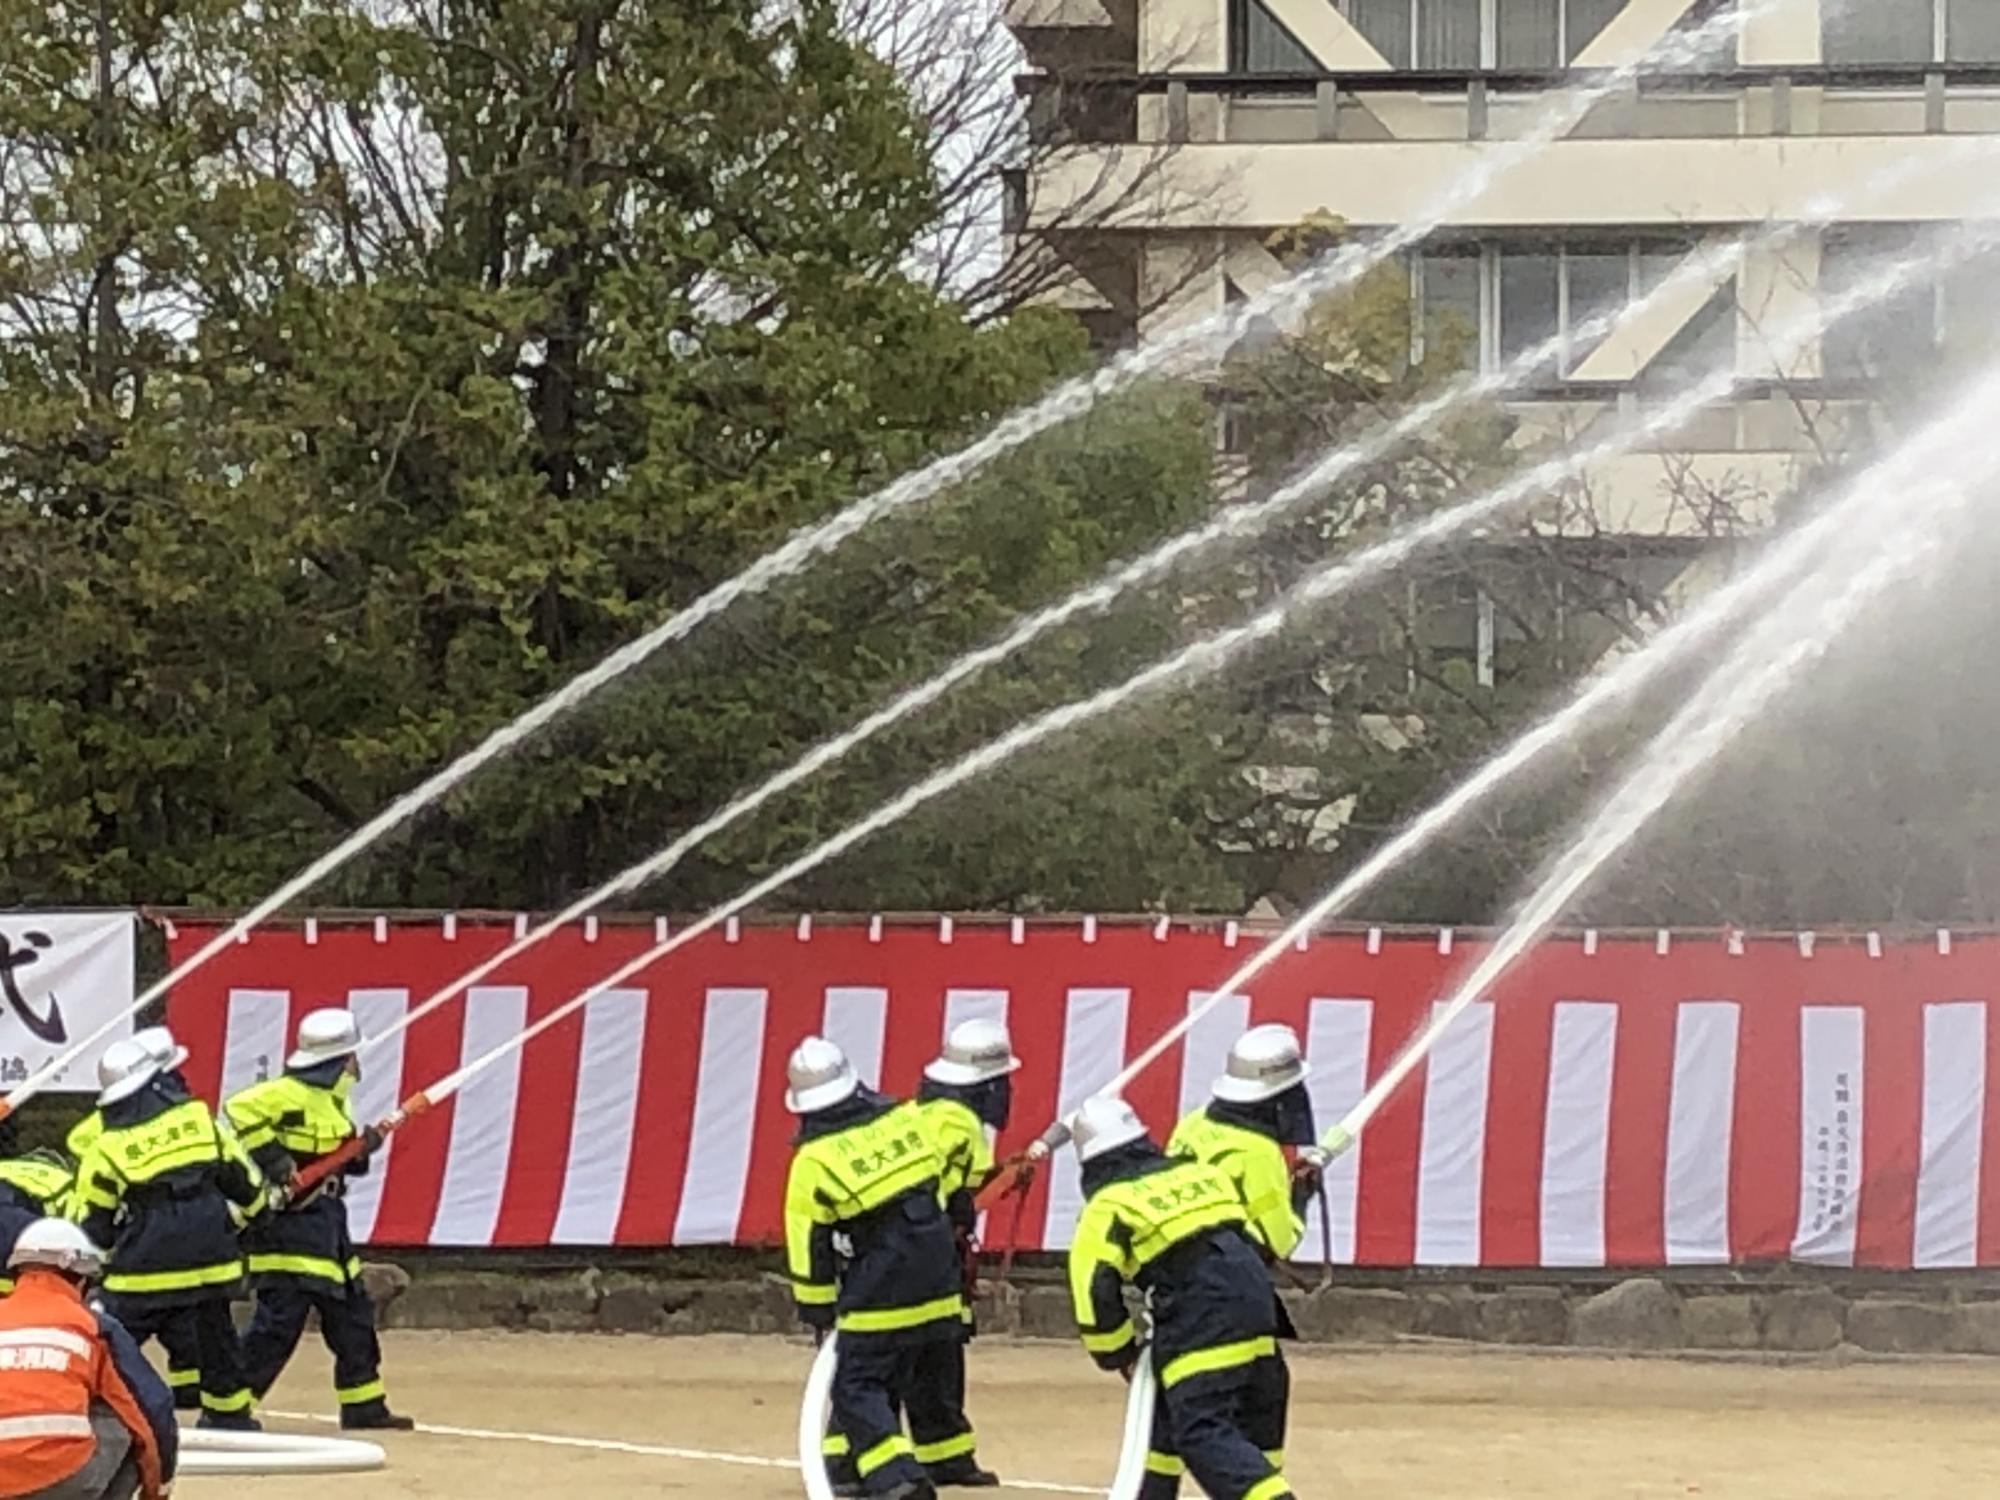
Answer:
[(814, 1293), (55, 1424), (1109, 1343), (1172, 1465)]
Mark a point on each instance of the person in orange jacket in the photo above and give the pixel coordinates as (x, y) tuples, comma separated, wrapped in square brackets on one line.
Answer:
[(82, 1415)]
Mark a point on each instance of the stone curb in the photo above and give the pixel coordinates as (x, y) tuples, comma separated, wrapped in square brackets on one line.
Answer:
[(1640, 1316)]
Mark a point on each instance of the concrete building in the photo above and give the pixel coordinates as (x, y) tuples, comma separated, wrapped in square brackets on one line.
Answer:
[(1204, 127)]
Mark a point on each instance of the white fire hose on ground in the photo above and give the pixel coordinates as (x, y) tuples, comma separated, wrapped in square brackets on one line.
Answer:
[(209, 1451), (1138, 1439), (813, 1408), (818, 1398)]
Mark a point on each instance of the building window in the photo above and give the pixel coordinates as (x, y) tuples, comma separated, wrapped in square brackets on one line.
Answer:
[(1463, 35), (1879, 31), (1972, 31), (1599, 283), (1530, 310), (1528, 33), (1911, 31), (1451, 306), (1448, 35), (1259, 43), (1497, 303), (1892, 333), (1387, 24), (1583, 20), (1705, 344)]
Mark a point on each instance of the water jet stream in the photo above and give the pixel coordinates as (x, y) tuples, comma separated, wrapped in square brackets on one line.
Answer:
[(1236, 522), (1182, 345), (1213, 652), (1872, 558)]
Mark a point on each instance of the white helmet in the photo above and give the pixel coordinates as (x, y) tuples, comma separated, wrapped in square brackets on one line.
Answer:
[(1264, 1063), (59, 1245), (1103, 1124), (323, 1036), (126, 1067), (819, 1075), (976, 1051), (160, 1044)]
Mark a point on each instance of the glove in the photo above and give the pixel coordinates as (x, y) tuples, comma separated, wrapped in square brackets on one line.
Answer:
[(968, 1266), (1307, 1177), (372, 1137)]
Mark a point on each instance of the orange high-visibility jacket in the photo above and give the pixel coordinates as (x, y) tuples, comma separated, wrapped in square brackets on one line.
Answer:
[(53, 1362)]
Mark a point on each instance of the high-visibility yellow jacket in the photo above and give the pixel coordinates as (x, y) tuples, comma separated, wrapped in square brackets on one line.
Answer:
[(30, 1189), (1255, 1162), (83, 1134), (32, 1183), (157, 1187), (966, 1155), (867, 1243), (287, 1123), (1175, 1229)]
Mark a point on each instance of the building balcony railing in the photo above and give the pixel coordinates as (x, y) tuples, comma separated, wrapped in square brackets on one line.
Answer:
[(1483, 104)]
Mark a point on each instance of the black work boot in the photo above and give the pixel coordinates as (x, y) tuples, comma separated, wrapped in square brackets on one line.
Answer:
[(229, 1421), (910, 1489), (962, 1472), (374, 1416)]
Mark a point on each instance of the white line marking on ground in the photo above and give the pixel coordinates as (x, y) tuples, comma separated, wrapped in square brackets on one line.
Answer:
[(649, 1450)]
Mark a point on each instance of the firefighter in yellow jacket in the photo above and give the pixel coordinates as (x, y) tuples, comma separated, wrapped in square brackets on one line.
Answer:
[(302, 1258), (1175, 1229), (870, 1254), (176, 1334), (31, 1187), (965, 1098), (1258, 1107), (166, 1187)]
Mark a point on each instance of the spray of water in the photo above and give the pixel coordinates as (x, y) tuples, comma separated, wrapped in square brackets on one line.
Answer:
[(1214, 652), (1628, 676), (1910, 521), (1175, 349), (1706, 267), (1703, 268)]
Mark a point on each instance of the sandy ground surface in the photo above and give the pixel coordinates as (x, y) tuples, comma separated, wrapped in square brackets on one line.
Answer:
[(1444, 1425)]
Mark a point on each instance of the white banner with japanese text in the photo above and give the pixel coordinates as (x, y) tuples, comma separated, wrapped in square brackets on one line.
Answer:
[(62, 976)]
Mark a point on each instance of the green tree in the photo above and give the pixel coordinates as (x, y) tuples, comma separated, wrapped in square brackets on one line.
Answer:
[(448, 347)]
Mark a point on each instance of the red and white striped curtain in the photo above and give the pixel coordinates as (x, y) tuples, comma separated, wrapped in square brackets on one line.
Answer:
[(1664, 1101)]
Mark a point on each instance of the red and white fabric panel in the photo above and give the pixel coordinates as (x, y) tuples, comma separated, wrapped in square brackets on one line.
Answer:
[(1630, 1102)]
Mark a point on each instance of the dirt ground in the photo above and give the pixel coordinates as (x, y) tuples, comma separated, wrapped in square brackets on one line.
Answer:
[(717, 1415)]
